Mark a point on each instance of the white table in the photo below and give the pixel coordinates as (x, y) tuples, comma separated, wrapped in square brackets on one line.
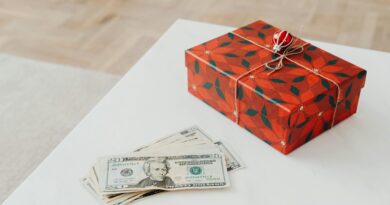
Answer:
[(349, 164)]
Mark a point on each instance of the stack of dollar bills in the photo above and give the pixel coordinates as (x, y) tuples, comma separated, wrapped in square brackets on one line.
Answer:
[(188, 159)]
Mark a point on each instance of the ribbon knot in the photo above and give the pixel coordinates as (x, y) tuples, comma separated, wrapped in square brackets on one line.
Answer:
[(290, 50)]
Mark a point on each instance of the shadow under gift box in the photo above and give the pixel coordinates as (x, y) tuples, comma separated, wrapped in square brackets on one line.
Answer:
[(285, 109)]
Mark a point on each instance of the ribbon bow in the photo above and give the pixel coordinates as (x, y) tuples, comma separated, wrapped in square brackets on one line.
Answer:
[(290, 50)]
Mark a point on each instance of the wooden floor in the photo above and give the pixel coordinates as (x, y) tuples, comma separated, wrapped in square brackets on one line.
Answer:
[(110, 35)]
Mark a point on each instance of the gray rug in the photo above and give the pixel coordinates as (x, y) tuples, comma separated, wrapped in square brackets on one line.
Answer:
[(40, 103)]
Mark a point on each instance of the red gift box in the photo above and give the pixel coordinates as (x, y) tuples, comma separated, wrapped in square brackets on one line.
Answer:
[(286, 99)]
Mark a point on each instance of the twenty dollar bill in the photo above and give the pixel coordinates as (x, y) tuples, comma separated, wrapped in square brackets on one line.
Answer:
[(123, 174)]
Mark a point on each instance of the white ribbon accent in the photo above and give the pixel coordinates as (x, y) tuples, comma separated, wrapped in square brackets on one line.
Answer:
[(291, 50)]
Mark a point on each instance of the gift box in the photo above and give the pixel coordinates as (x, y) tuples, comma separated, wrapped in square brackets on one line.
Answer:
[(286, 98)]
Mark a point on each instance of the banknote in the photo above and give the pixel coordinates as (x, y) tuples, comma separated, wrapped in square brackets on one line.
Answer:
[(190, 140), (190, 171), (233, 162), (192, 135)]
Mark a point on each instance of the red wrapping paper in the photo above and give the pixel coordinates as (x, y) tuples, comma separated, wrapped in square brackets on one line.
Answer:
[(285, 109)]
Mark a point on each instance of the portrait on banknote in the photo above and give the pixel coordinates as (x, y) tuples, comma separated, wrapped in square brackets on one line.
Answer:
[(156, 169)]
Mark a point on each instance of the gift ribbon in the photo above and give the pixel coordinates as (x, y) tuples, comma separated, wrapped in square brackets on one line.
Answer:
[(291, 50)]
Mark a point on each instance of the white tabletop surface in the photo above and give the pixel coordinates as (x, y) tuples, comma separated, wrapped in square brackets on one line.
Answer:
[(349, 164)]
